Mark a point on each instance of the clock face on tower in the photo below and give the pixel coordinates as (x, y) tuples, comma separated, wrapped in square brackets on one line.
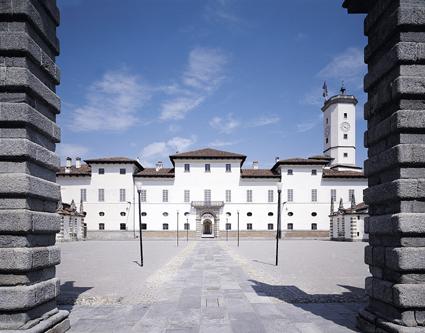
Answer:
[(345, 126)]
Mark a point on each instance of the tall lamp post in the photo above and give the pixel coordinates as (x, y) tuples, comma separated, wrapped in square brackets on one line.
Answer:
[(177, 235), (238, 228), (139, 191), (187, 229), (227, 228), (278, 228)]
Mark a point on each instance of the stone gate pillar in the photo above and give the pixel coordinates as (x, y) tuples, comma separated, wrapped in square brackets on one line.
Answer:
[(28, 164), (395, 139)]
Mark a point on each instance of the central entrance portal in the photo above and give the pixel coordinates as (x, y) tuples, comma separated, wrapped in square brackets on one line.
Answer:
[(207, 228)]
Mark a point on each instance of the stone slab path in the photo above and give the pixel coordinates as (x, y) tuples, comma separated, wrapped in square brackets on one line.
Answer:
[(211, 292)]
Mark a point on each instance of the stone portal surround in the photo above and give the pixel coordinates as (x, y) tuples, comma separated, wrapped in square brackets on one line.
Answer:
[(395, 139), (28, 166)]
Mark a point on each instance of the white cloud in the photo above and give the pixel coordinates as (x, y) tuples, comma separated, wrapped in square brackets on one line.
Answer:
[(65, 150), (204, 74), (162, 149), (347, 66), (112, 103), (222, 11), (225, 124), (221, 143), (305, 127), (264, 121)]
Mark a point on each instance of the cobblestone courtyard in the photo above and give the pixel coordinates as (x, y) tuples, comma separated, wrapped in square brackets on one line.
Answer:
[(212, 286)]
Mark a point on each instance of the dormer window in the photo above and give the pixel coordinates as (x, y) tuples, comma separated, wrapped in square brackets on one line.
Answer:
[(207, 167), (187, 167), (101, 171), (290, 172), (122, 171), (228, 167)]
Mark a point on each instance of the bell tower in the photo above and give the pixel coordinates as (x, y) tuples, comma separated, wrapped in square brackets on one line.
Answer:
[(339, 129)]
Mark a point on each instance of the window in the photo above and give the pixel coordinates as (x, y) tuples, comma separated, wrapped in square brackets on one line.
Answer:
[(270, 214), (314, 226), (165, 226), (187, 168), (327, 140), (164, 195), (270, 196), (290, 214), (207, 167), (101, 194), (144, 214), (83, 194), (333, 195), (249, 226), (345, 136), (228, 196), (123, 214), (165, 214), (345, 154), (123, 226), (122, 194), (186, 196), (143, 195), (270, 226), (228, 167), (345, 116), (290, 172), (313, 214), (101, 171), (187, 226), (249, 214), (144, 226), (228, 226), (101, 226), (314, 172), (290, 226), (290, 195), (207, 195), (314, 195), (327, 121), (350, 194), (248, 195), (122, 171), (101, 213)]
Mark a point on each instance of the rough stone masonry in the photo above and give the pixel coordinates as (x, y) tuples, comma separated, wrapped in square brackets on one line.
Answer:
[(28, 164), (395, 139)]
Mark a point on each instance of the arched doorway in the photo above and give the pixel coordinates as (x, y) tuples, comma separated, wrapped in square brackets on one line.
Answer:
[(207, 228)]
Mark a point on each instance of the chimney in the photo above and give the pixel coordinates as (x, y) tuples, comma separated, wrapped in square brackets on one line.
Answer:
[(276, 159), (159, 165), (68, 164), (78, 162), (255, 165)]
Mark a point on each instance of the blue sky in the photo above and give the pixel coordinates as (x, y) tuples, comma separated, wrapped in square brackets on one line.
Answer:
[(147, 78)]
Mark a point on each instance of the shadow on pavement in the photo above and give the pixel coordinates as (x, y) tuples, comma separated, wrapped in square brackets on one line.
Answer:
[(69, 294), (328, 306)]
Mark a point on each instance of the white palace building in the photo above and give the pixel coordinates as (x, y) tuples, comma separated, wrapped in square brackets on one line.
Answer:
[(209, 190)]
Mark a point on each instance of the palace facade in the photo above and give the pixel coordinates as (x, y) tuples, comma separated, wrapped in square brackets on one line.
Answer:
[(209, 191)]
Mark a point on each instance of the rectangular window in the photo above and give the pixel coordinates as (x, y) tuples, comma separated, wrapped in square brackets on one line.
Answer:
[(248, 195), (187, 168), (345, 136), (187, 226), (165, 226), (327, 140), (350, 194), (101, 226), (333, 195), (228, 226), (143, 196), (144, 226), (290, 172), (207, 167), (164, 195), (123, 226), (122, 171), (314, 172), (290, 195), (101, 195), (122, 195), (345, 154), (228, 167), (186, 196), (249, 226), (314, 226), (314, 195), (345, 116), (270, 226), (228, 196), (270, 196), (101, 171), (290, 226), (207, 195), (83, 194)]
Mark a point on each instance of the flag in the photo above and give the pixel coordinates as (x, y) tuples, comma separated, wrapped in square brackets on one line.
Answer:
[(325, 90)]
